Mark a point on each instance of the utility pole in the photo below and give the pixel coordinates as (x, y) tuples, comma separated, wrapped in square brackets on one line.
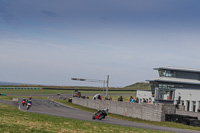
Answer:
[(107, 86)]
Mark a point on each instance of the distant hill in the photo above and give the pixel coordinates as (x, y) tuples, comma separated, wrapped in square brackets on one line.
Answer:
[(139, 86), (3, 83), (136, 86)]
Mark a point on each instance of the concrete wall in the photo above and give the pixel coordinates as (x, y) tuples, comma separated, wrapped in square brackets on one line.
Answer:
[(145, 111), (182, 112)]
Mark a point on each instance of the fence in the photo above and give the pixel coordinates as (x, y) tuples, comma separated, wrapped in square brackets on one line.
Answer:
[(31, 88)]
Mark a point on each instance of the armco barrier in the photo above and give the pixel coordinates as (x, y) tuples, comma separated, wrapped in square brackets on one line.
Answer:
[(32, 88), (145, 111)]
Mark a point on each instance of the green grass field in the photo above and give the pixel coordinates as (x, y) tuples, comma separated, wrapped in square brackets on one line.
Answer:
[(135, 86), (13, 120), (21, 91), (11, 97), (126, 97)]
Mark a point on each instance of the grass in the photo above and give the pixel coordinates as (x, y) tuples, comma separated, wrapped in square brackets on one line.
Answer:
[(166, 124), (135, 86), (21, 91), (139, 86), (26, 91), (113, 94), (11, 97), (13, 120)]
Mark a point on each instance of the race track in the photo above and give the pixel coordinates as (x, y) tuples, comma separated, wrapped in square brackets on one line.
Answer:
[(56, 109)]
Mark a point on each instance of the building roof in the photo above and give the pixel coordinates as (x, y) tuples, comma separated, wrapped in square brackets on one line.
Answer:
[(176, 80), (178, 69)]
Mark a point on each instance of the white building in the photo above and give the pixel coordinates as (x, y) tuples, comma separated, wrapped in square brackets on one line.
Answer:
[(174, 84)]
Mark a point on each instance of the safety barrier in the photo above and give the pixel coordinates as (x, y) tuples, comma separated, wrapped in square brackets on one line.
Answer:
[(31, 88), (184, 119)]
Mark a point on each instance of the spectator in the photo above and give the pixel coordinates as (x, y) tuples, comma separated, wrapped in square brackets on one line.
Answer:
[(144, 100), (98, 97), (150, 100), (131, 98), (120, 98), (136, 100)]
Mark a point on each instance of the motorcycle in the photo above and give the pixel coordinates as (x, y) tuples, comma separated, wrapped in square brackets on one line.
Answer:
[(23, 103), (101, 114), (28, 106)]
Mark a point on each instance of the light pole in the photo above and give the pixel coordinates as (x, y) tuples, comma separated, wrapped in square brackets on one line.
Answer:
[(95, 80), (107, 86)]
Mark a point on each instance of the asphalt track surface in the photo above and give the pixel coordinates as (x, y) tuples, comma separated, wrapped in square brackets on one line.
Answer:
[(44, 106)]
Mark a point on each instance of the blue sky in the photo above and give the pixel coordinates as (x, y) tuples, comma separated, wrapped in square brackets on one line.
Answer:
[(51, 41)]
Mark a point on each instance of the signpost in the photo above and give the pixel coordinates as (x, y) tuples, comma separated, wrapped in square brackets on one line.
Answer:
[(95, 80)]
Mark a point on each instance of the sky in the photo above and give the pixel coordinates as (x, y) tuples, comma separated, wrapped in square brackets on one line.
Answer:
[(49, 42)]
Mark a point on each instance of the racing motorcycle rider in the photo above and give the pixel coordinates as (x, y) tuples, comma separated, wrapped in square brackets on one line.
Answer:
[(29, 103), (101, 114), (23, 101)]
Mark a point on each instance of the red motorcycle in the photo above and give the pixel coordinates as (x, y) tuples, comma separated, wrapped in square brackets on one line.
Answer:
[(101, 114), (23, 102)]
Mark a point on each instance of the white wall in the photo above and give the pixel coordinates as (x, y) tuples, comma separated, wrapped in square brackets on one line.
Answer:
[(190, 97), (144, 94)]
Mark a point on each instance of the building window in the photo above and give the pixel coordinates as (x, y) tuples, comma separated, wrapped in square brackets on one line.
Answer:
[(167, 73), (165, 94), (165, 86)]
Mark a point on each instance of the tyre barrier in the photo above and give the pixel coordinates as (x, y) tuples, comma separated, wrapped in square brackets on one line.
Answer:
[(193, 122), (184, 119), (1, 94)]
